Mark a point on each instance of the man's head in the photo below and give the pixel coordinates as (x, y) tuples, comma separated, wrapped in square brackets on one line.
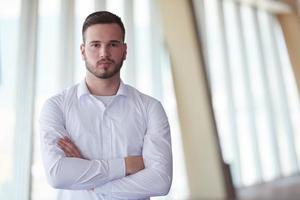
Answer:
[(102, 17), (103, 48)]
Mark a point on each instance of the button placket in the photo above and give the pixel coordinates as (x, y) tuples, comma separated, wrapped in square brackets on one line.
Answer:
[(106, 132), (100, 136)]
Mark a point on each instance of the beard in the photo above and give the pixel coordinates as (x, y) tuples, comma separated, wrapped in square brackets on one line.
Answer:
[(104, 73)]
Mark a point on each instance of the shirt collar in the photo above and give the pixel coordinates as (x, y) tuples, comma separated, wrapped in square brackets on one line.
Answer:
[(83, 89)]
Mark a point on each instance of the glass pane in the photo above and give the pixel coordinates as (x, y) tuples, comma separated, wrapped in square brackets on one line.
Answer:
[(82, 9), (262, 109), (259, 106), (291, 86), (255, 100), (278, 95), (241, 92), (221, 85), (143, 57), (47, 72), (116, 6), (9, 24)]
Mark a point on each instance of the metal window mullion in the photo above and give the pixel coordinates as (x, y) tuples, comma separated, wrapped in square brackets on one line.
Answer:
[(230, 98), (267, 91), (25, 101), (284, 101), (249, 93), (67, 43)]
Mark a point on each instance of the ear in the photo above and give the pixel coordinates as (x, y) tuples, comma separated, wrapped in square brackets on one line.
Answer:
[(82, 51), (125, 52)]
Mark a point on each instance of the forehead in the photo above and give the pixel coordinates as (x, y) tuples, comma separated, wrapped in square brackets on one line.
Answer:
[(103, 32)]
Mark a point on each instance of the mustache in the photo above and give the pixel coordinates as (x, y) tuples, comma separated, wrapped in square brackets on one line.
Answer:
[(107, 60)]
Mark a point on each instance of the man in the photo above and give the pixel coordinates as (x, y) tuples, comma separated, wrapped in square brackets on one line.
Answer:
[(102, 139)]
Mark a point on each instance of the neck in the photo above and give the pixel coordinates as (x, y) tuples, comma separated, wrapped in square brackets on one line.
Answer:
[(103, 87)]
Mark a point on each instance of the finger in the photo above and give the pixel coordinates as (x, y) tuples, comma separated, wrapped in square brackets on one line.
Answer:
[(67, 154), (68, 139), (70, 147), (74, 150), (63, 146)]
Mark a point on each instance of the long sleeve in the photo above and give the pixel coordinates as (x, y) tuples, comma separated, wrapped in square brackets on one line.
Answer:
[(156, 178), (71, 173)]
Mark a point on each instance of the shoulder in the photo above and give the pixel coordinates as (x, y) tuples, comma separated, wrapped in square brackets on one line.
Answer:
[(152, 109), (53, 108), (140, 97), (60, 99), (149, 105)]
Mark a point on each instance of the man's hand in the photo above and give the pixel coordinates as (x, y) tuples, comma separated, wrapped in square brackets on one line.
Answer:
[(69, 147), (134, 164)]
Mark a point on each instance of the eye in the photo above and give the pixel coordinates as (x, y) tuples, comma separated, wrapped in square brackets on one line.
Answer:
[(114, 44), (95, 45)]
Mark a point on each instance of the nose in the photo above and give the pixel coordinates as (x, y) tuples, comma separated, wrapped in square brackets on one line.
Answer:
[(104, 51)]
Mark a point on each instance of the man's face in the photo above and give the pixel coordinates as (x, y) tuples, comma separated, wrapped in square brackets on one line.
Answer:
[(104, 50)]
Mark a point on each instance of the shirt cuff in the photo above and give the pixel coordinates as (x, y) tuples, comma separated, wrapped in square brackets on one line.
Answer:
[(116, 168)]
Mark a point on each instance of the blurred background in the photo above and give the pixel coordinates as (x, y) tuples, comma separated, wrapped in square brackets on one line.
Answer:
[(226, 71)]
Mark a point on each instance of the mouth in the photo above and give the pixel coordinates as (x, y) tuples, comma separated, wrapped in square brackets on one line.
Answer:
[(104, 64), (105, 61)]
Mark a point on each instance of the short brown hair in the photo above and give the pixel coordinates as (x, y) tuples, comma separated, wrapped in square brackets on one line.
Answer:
[(102, 17)]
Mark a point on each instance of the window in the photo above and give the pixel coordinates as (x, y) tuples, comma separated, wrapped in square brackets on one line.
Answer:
[(47, 84), (255, 100), (56, 63), (9, 21)]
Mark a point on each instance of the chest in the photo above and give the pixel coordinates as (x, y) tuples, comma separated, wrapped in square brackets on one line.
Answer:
[(106, 133)]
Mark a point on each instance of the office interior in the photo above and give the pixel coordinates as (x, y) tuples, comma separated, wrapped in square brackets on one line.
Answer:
[(226, 71)]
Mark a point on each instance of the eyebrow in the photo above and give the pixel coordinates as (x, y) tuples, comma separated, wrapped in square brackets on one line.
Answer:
[(98, 41), (94, 41)]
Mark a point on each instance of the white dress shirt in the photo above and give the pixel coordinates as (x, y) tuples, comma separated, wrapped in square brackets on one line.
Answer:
[(131, 124)]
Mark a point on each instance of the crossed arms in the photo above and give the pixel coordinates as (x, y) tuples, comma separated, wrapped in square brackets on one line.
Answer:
[(133, 164), (131, 177)]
